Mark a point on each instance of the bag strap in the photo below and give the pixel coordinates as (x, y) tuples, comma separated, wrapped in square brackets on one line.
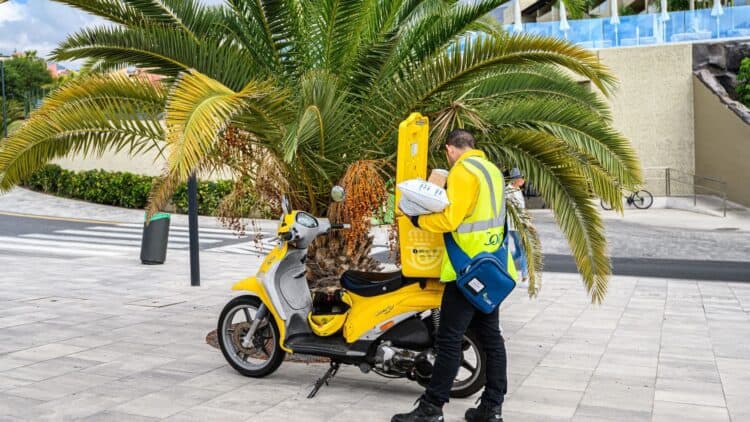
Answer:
[(459, 259)]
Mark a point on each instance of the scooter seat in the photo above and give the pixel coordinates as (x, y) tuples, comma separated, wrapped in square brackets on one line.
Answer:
[(372, 284)]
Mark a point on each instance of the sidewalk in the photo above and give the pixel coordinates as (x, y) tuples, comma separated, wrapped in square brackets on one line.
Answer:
[(109, 340), (112, 340), (24, 201)]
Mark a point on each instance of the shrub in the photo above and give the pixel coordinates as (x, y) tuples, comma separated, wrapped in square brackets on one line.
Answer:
[(743, 82), (122, 189), (210, 195)]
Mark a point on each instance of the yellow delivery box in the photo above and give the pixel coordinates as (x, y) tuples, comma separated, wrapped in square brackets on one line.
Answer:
[(421, 251)]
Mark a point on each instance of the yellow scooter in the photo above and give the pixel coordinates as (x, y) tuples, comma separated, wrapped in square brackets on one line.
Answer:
[(381, 322)]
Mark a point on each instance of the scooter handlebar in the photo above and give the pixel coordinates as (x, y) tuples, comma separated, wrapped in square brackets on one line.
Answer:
[(339, 226)]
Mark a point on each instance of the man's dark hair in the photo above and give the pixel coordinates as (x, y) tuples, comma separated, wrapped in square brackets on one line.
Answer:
[(460, 138)]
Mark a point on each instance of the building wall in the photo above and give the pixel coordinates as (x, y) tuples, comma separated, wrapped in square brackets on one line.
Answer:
[(653, 107), (722, 144), (149, 164)]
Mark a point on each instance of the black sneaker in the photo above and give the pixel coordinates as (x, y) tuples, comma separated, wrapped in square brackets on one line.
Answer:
[(425, 412), (484, 414)]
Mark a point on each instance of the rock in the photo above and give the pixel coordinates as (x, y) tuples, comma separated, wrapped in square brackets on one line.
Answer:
[(713, 55), (700, 55), (725, 56), (735, 54), (710, 80), (729, 81), (717, 56)]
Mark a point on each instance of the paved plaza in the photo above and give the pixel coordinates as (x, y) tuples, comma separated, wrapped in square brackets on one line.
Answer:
[(103, 338)]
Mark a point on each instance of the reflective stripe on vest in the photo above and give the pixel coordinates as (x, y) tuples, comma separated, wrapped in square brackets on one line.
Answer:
[(498, 220)]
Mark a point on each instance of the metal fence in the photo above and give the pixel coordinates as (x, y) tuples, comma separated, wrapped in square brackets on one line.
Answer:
[(689, 191), (649, 28)]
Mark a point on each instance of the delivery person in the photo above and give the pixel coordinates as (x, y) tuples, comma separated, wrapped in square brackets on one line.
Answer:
[(475, 218)]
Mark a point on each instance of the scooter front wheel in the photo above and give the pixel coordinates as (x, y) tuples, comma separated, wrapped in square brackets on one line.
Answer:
[(264, 354)]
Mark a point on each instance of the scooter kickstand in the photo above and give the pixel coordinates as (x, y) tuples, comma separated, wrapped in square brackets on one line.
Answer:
[(330, 373)]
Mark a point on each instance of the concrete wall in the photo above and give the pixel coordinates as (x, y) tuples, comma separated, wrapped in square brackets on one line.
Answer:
[(653, 107), (722, 144), (150, 164)]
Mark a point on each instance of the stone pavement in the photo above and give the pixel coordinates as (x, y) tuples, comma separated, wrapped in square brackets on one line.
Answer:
[(107, 339), (25, 201)]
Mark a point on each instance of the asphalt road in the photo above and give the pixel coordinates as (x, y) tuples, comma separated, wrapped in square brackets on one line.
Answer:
[(662, 268), (15, 226), (48, 236)]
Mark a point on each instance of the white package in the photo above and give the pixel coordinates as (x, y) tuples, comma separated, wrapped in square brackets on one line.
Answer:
[(425, 194), (411, 208)]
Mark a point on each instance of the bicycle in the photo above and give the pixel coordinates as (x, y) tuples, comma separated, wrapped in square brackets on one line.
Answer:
[(641, 199)]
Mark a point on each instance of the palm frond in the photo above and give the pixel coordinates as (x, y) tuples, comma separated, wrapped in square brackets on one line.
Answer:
[(339, 24), (89, 116), (116, 11), (531, 244), (539, 81), (432, 33), (274, 30), (471, 57), (199, 108), (563, 186), (588, 136), (175, 52)]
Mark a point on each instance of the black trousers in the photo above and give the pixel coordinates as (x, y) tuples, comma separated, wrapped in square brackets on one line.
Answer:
[(456, 316)]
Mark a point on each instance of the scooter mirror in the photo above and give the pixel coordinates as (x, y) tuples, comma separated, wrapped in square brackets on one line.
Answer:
[(285, 207), (338, 193)]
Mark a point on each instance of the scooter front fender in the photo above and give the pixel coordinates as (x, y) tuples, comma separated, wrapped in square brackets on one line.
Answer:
[(250, 284), (254, 287)]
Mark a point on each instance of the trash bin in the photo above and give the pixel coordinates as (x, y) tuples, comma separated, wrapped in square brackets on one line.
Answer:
[(154, 240)]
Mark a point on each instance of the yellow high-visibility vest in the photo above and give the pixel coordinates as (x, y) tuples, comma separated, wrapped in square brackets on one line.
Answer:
[(483, 229)]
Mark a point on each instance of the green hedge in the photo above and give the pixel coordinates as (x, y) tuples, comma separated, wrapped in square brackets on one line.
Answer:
[(120, 189), (743, 82)]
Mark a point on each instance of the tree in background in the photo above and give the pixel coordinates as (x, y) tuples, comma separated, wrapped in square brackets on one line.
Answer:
[(25, 74), (743, 82), (26, 80), (15, 112), (306, 89)]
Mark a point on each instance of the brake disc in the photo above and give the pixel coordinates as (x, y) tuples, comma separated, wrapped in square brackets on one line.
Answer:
[(238, 333), (259, 348)]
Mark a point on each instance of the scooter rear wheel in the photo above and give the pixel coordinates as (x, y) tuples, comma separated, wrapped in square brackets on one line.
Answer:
[(265, 354)]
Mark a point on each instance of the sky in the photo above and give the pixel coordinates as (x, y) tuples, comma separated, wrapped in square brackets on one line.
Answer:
[(41, 24)]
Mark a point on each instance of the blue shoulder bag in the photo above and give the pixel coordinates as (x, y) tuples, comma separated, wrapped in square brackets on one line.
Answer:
[(484, 279)]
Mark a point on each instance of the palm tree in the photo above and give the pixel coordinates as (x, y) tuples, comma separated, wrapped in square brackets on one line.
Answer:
[(314, 86)]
